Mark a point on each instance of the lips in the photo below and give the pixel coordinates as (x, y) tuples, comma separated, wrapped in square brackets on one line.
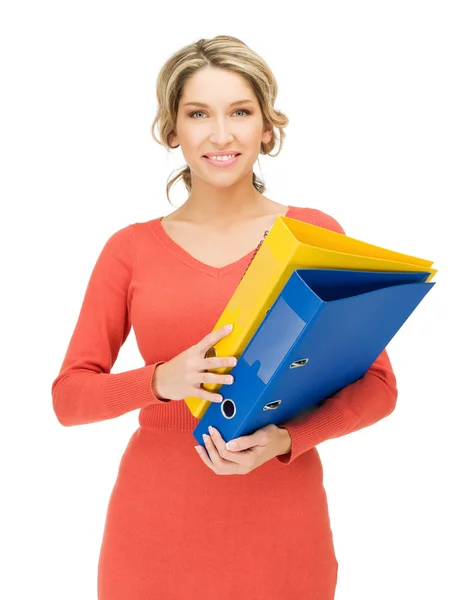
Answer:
[(224, 154), (222, 164)]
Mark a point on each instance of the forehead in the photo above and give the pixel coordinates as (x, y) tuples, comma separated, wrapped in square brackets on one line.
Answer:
[(214, 86)]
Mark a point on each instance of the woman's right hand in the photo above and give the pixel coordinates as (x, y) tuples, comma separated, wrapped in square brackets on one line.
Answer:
[(182, 376)]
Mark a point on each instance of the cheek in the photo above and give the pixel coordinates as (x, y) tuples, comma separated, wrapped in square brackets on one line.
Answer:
[(254, 133), (192, 142)]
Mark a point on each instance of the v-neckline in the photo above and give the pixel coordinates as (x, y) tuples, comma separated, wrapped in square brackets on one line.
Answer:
[(190, 260)]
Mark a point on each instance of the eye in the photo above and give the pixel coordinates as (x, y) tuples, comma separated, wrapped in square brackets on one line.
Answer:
[(247, 112), (200, 112)]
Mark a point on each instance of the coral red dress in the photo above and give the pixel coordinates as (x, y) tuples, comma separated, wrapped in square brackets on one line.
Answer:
[(174, 529)]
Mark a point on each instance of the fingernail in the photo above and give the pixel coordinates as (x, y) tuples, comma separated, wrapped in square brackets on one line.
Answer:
[(210, 429), (231, 445)]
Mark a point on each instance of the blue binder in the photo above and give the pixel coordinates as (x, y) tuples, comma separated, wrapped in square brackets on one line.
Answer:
[(323, 332)]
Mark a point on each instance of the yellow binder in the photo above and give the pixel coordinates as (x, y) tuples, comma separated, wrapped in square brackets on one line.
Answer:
[(290, 245)]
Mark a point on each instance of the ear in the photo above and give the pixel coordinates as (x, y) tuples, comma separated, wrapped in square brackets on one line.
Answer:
[(267, 133), (173, 141)]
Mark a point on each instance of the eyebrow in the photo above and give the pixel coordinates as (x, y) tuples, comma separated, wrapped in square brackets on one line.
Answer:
[(207, 106)]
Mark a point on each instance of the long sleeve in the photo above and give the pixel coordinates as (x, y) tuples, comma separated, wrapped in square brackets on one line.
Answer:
[(85, 391), (358, 405)]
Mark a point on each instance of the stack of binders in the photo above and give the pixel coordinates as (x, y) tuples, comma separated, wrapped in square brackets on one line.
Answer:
[(312, 313)]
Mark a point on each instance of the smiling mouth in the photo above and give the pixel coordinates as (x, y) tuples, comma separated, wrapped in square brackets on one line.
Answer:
[(215, 157)]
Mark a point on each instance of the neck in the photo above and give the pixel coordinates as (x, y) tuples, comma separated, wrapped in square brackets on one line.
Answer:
[(218, 205)]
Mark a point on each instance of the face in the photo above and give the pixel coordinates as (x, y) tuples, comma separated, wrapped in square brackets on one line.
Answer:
[(215, 121)]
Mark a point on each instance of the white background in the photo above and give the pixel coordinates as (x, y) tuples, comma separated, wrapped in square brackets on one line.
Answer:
[(376, 93)]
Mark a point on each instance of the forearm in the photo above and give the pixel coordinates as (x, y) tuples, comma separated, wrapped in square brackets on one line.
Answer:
[(356, 406), (81, 397)]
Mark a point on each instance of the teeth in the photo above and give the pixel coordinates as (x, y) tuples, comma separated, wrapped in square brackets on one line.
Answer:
[(223, 158)]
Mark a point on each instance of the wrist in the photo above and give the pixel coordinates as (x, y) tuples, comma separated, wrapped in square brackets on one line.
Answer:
[(155, 383), (286, 440)]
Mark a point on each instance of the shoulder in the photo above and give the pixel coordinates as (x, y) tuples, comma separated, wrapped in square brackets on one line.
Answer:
[(119, 245), (120, 238), (127, 237), (314, 216)]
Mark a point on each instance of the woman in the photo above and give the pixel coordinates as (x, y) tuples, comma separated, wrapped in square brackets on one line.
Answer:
[(224, 524)]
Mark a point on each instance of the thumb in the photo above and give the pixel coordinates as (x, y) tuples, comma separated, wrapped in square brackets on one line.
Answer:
[(233, 445), (241, 443)]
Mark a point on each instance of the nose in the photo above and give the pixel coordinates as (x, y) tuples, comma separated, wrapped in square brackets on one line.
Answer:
[(221, 134)]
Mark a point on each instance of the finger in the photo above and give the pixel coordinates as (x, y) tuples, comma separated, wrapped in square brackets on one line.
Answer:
[(205, 395), (215, 438), (204, 456), (220, 446), (210, 340), (215, 378), (219, 362), (210, 447)]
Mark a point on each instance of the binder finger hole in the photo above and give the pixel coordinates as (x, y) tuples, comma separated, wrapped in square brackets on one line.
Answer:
[(228, 408), (272, 405), (299, 363)]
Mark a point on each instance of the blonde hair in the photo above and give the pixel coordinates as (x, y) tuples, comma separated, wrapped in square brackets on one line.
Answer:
[(224, 52)]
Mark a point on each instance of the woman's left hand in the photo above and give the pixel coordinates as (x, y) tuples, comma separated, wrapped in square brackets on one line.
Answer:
[(251, 450)]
